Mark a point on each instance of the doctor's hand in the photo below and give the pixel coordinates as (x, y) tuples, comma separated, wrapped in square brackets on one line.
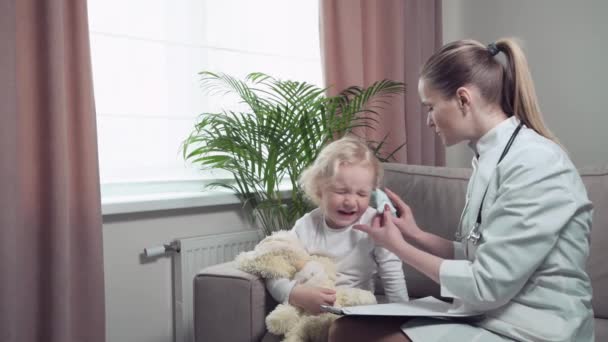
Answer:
[(384, 232), (406, 221), (310, 299)]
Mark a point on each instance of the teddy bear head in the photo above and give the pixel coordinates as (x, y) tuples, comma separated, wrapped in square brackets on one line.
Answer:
[(280, 255)]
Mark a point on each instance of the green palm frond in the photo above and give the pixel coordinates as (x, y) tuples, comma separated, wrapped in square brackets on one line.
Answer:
[(281, 132)]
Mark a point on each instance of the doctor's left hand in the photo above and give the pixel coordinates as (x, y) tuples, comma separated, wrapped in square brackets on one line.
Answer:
[(405, 221), (384, 231)]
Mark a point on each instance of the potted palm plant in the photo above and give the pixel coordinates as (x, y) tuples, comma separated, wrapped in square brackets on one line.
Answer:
[(280, 133)]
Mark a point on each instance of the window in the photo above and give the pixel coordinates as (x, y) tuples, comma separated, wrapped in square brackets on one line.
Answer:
[(146, 55)]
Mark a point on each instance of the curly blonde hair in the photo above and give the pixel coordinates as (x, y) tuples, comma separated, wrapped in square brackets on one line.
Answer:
[(348, 150)]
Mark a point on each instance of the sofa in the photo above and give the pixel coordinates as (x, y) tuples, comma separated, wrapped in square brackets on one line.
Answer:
[(230, 305)]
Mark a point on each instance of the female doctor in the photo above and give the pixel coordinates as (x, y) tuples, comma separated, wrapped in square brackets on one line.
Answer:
[(523, 239)]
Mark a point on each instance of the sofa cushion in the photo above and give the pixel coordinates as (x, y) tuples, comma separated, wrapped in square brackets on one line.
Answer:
[(596, 182), (601, 329), (229, 304), (270, 337)]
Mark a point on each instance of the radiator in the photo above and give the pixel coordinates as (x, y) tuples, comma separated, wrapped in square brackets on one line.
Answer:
[(194, 254)]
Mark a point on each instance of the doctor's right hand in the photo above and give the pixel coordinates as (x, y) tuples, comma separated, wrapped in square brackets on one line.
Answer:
[(310, 299), (405, 220)]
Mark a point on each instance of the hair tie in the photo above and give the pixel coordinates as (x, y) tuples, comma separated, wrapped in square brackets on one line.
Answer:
[(493, 49)]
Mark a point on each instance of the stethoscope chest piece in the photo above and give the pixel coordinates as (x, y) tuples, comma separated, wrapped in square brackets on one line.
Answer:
[(474, 234)]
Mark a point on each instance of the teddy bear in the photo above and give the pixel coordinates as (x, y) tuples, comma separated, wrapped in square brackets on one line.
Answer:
[(281, 255)]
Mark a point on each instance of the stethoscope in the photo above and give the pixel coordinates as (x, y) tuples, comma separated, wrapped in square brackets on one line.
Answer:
[(474, 234)]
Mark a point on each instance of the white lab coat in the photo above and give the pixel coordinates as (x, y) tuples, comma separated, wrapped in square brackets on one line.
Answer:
[(527, 273)]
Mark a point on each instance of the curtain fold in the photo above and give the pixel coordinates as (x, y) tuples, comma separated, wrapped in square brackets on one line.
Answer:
[(51, 261), (363, 41)]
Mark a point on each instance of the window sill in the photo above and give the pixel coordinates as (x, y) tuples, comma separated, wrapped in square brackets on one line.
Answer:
[(113, 205), (155, 195), (128, 198)]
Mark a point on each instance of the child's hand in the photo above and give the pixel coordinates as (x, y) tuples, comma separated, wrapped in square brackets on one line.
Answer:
[(406, 221), (310, 298)]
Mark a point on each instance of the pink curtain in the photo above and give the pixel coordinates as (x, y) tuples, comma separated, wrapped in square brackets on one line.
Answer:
[(363, 41), (51, 264)]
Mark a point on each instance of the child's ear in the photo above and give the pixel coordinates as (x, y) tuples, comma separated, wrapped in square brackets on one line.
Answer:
[(320, 191)]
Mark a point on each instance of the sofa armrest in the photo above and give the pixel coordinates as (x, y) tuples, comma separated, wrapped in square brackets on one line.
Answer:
[(230, 305)]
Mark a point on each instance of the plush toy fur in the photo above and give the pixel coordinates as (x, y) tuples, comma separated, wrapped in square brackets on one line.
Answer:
[(281, 255)]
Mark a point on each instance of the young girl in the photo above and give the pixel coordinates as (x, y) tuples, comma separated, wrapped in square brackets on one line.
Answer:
[(340, 182)]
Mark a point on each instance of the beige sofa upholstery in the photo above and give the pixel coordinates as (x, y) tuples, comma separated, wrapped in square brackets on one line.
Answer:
[(231, 305)]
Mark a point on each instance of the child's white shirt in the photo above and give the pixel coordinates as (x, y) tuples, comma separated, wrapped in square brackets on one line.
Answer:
[(356, 255)]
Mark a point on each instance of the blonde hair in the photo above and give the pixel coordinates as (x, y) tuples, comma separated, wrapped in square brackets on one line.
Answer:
[(348, 150), (468, 62)]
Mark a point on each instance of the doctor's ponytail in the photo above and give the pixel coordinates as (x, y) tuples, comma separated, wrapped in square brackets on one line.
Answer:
[(468, 62), (518, 89)]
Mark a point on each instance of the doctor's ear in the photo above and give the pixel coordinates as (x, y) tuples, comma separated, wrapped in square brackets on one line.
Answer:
[(463, 97)]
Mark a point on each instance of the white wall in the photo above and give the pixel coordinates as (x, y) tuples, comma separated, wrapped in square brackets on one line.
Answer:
[(566, 45), (139, 303)]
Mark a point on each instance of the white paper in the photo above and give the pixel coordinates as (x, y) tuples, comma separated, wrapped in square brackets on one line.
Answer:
[(422, 307)]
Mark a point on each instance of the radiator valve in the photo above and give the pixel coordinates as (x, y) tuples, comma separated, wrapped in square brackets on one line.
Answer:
[(155, 251)]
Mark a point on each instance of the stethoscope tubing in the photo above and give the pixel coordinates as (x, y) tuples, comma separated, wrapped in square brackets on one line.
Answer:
[(474, 235)]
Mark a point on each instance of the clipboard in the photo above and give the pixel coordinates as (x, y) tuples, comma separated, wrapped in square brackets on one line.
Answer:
[(422, 307)]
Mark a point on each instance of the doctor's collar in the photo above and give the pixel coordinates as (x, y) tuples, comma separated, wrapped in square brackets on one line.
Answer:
[(494, 137)]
